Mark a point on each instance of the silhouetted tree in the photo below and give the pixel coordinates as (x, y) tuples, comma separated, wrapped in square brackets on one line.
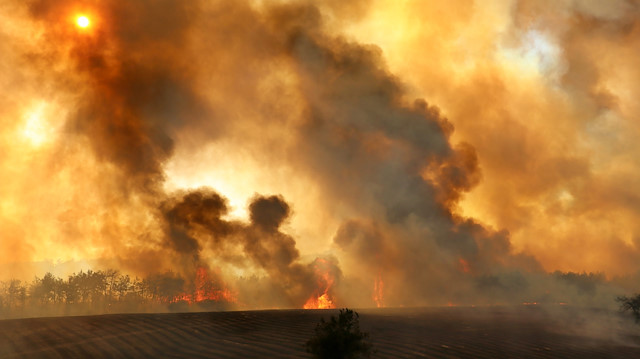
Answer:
[(630, 304), (71, 290), (340, 337), (48, 289), (88, 287), (111, 276), (121, 286), (140, 288), (91, 292), (16, 293), (165, 287), (13, 294)]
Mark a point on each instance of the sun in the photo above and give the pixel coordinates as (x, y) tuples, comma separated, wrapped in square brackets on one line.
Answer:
[(83, 21)]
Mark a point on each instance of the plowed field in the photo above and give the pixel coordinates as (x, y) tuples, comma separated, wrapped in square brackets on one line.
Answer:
[(498, 332)]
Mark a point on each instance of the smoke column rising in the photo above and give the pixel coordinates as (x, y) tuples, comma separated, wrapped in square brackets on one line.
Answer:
[(256, 137)]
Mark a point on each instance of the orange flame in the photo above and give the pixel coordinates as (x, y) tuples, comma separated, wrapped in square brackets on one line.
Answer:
[(321, 302), (321, 299), (378, 292), (205, 290)]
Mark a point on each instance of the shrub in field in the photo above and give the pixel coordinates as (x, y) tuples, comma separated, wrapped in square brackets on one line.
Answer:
[(630, 304), (340, 337)]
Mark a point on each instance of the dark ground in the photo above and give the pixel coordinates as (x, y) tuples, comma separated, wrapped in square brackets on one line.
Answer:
[(458, 332)]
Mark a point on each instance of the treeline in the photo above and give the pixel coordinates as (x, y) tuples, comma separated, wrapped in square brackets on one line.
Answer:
[(108, 291)]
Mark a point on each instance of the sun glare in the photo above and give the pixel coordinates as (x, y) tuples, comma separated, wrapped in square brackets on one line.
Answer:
[(83, 21), (37, 128)]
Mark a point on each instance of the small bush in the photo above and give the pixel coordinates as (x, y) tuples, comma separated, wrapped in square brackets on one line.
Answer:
[(630, 304), (340, 337)]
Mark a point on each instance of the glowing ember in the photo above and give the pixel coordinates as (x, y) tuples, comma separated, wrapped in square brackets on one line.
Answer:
[(321, 299), (530, 303), (378, 292), (464, 265)]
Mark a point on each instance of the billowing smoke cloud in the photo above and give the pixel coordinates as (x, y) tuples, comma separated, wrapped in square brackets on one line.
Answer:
[(542, 91), (258, 97), (195, 221), (393, 162), (136, 83)]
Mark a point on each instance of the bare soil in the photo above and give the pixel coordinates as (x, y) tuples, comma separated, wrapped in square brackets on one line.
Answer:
[(494, 332)]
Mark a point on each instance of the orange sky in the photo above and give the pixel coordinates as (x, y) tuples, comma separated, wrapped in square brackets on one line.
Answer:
[(521, 151), (544, 91)]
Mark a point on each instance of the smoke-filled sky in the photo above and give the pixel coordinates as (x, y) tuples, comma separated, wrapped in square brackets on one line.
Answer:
[(416, 143)]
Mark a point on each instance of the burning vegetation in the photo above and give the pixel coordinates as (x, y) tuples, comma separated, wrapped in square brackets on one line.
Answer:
[(322, 297), (378, 292), (203, 289), (108, 291), (302, 116)]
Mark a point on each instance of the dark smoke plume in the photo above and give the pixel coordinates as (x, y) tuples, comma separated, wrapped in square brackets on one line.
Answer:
[(274, 80), (394, 160), (195, 221), (390, 160), (268, 213)]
